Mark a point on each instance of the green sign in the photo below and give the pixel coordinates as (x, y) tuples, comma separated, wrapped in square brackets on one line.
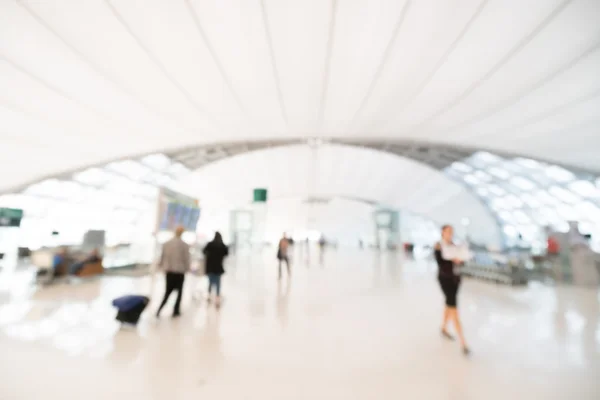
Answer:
[(260, 195), (10, 216)]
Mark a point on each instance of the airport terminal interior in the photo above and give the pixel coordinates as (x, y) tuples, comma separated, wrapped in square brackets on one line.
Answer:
[(408, 193)]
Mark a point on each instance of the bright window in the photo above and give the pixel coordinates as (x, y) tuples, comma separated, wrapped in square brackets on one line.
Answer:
[(585, 189), (482, 158), (159, 179), (529, 232), (178, 170), (510, 231), (506, 216), (528, 163), (157, 162), (499, 172), (131, 169), (513, 201), (521, 217), (522, 183), (93, 176), (563, 194), (546, 198), (530, 200), (461, 167), (497, 190), (483, 176), (559, 174), (500, 204), (567, 212), (471, 180), (588, 211), (483, 192)]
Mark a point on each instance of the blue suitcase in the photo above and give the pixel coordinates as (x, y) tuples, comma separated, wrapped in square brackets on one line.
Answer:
[(130, 308)]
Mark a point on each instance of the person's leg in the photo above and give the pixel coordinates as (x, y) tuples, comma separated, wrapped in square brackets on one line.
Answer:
[(287, 264), (455, 318), (446, 319), (210, 284), (280, 261), (444, 286), (179, 279), (218, 290), (169, 286), (218, 285)]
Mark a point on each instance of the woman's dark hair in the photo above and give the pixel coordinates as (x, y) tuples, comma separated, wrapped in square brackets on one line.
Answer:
[(218, 238)]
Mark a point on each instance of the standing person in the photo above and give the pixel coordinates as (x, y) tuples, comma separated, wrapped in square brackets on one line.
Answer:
[(449, 282), (282, 254), (215, 252), (322, 244), (175, 260)]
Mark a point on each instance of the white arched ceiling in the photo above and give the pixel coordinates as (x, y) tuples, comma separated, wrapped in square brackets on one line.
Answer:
[(87, 82), (330, 171)]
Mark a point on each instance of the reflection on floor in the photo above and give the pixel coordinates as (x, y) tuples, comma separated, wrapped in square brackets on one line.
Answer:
[(360, 326)]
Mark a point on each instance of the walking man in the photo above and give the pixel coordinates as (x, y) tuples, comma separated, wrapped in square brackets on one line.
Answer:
[(175, 261)]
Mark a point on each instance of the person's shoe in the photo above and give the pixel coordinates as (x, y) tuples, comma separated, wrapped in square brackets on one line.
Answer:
[(466, 351), (176, 314), (447, 335)]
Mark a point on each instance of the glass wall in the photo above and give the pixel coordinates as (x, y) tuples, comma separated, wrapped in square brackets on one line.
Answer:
[(527, 195), (524, 195), (119, 198)]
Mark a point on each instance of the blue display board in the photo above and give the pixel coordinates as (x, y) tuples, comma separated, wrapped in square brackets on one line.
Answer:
[(176, 209), (180, 214)]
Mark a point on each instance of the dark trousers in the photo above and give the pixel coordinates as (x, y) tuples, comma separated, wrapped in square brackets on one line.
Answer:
[(174, 281), (286, 260)]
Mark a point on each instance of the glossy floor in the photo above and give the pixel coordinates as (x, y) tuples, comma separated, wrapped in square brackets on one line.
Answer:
[(360, 326)]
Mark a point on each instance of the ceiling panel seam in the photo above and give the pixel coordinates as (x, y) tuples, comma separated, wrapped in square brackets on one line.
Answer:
[(215, 57), (541, 117), (70, 134), (276, 77), (383, 61), (521, 44), (565, 132), (96, 68), (537, 85), (438, 65), (93, 66), (326, 72), (532, 88), (58, 91), (159, 64)]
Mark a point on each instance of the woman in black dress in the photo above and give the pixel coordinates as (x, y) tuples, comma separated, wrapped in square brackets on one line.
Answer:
[(450, 282)]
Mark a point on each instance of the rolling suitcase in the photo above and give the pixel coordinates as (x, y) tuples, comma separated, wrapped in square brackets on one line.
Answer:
[(130, 308)]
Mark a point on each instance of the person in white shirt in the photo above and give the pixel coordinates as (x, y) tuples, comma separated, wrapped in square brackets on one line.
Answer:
[(175, 261)]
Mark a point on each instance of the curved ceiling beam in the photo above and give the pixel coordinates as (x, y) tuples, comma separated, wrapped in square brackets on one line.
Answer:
[(436, 155)]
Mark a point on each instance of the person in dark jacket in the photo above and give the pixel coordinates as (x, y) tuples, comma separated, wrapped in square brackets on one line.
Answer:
[(214, 254)]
